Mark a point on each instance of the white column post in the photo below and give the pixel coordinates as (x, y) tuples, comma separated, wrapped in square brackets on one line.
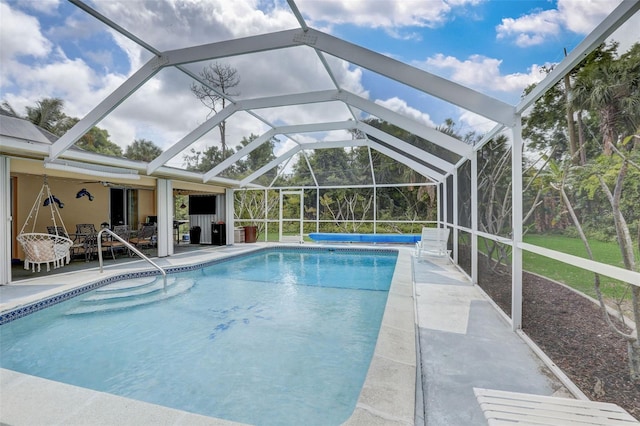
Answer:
[(474, 217), (317, 209), (516, 220), (5, 220), (231, 215), (454, 234), (164, 200), (440, 205), (445, 201)]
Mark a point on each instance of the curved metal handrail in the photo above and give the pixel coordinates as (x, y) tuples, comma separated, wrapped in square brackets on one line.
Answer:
[(130, 247)]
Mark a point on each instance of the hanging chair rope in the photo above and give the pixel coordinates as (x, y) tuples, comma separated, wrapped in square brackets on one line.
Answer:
[(40, 247), (35, 210)]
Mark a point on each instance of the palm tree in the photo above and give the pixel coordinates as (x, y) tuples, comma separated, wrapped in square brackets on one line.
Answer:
[(47, 114), (8, 109), (610, 88)]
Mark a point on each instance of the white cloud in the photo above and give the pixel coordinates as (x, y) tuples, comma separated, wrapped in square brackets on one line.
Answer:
[(400, 106), (531, 29), (21, 36), (577, 16), (628, 34), (475, 122), (482, 73), (375, 14), (43, 6), (582, 16)]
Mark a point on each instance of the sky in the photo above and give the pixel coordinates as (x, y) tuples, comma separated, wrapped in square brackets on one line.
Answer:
[(51, 48)]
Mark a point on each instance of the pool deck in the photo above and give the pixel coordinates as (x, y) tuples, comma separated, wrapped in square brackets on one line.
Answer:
[(440, 337)]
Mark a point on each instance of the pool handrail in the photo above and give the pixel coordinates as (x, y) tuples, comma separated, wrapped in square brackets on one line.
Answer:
[(130, 247)]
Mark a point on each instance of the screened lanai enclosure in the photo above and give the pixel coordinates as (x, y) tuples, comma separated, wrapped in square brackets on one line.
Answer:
[(328, 158)]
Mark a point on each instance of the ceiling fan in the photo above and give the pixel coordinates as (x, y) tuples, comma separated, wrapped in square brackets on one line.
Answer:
[(108, 184), (101, 182)]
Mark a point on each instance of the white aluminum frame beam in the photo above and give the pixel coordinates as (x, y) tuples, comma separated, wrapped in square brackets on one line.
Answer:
[(148, 70), (488, 137), (439, 87), (190, 138), (244, 105), (293, 151), (235, 47), (284, 130), (419, 168), (288, 100), (431, 135), (246, 150), (406, 147), (222, 49)]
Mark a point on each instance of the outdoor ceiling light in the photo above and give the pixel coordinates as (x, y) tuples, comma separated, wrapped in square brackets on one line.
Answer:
[(91, 169)]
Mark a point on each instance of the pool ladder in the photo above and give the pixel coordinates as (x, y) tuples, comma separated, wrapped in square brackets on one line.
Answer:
[(130, 247)]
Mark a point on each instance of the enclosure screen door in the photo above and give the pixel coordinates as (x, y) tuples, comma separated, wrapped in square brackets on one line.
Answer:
[(291, 216)]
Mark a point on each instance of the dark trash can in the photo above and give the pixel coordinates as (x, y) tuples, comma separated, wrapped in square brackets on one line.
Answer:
[(250, 234), (194, 235)]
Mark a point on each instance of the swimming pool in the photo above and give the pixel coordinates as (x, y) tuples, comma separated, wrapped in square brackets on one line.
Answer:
[(253, 348)]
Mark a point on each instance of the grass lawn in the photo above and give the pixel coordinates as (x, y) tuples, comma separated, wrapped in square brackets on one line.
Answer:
[(575, 277)]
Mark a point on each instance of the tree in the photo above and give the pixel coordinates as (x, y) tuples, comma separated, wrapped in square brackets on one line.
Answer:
[(610, 88), (556, 120), (250, 205), (606, 103), (557, 177), (203, 161), (6, 108), (95, 140), (47, 113), (218, 83), (143, 150), (256, 159)]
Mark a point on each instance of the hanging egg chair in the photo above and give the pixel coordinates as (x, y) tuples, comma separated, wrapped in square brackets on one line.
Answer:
[(42, 248)]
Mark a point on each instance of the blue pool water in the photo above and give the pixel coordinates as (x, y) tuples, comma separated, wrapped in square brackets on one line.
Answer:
[(278, 337)]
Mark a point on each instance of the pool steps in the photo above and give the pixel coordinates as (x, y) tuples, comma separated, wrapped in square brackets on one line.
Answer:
[(134, 293), (128, 284), (108, 294)]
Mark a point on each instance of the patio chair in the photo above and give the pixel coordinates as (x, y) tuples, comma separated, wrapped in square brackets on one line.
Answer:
[(433, 242), (144, 236), (86, 234), (77, 245), (112, 244)]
